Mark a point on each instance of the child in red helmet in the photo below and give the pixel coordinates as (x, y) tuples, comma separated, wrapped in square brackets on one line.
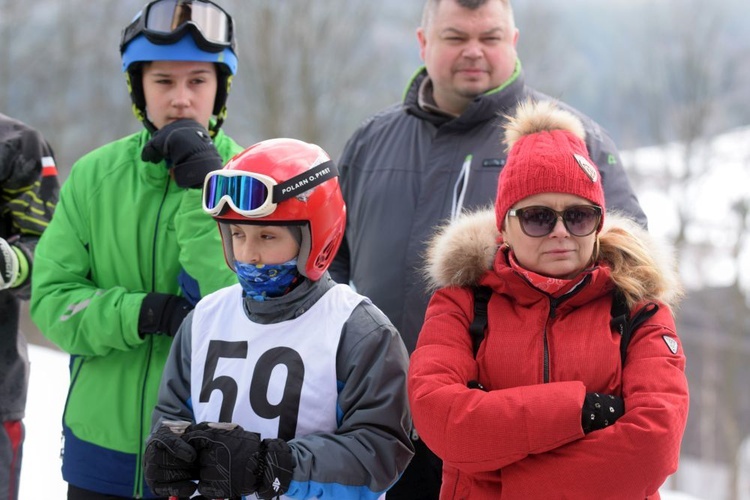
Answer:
[(285, 383)]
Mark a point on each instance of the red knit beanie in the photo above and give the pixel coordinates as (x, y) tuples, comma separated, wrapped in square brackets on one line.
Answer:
[(546, 154)]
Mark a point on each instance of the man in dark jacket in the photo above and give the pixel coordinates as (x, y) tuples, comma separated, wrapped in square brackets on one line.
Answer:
[(423, 161), (28, 193)]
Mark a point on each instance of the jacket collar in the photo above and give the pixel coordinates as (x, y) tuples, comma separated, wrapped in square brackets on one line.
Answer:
[(505, 280)]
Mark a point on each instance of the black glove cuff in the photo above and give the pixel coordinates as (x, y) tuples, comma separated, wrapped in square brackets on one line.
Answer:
[(600, 411), (162, 314)]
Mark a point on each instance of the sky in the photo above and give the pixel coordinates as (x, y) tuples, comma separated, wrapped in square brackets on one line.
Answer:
[(40, 473)]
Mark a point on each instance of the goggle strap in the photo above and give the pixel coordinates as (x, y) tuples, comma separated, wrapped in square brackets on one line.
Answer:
[(305, 181)]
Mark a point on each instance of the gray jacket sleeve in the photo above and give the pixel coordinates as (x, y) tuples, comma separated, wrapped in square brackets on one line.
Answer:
[(174, 391), (371, 447), (339, 269)]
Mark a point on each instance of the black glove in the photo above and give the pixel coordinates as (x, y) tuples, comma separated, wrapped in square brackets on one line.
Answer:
[(276, 468), (169, 462), (162, 314), (9, 265), (600, 411), (189, 148), (228, 457)]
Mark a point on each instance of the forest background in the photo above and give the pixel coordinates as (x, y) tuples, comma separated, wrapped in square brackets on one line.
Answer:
[(667, 78)]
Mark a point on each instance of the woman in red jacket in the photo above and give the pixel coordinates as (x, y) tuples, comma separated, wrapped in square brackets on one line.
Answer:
[(547, 408)]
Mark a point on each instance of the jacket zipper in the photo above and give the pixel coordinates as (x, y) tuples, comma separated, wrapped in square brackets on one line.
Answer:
[(138, 486), (552, 313), (553, 304)]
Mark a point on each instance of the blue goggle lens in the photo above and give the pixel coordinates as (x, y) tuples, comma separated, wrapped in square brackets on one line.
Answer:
[(246, 193)]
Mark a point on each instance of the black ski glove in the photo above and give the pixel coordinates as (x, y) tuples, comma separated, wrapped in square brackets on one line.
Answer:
[(228, 457), (600, 411), (162, 314), (276, 469), (169, 462), (189, 148)]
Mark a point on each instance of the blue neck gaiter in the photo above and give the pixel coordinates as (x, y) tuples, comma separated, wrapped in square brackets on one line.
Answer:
[(262, 281)]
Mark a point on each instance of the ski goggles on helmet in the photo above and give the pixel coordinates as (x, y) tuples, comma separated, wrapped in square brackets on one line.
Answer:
[(164, 22), (581, 220), (256, 195)]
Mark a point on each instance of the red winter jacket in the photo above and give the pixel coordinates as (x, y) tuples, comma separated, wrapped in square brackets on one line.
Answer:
[(522, 438)]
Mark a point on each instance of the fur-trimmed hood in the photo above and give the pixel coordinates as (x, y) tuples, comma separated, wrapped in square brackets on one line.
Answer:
[(462, 251)]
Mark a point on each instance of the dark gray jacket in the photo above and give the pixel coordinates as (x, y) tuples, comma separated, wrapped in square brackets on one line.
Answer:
[(400, 173), (28, 194)]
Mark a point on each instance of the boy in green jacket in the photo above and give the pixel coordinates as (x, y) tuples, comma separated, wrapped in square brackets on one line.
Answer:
[(130, 250)]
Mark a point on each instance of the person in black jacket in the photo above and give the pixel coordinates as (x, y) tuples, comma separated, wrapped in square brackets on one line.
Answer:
[(28, 194), (421, 162)]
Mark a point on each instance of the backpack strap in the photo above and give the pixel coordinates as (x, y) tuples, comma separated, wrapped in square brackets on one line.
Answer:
[(619, 312), (624, 324), (478, 325)]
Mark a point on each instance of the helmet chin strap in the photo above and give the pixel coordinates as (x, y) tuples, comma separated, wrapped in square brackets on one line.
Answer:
[(135, 89), (304, 250), (149, 125)]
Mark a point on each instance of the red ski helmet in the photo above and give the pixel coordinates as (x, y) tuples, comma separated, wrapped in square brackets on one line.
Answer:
[(281, 182)]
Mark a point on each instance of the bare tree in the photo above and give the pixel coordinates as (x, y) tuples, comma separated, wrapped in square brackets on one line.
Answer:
[(552, 55), (60, 71), (681, 104), (313, 70)]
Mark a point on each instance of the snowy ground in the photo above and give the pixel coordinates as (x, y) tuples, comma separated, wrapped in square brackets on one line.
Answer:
[(40, 474)]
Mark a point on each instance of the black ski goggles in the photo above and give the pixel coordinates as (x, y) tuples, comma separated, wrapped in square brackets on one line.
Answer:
[(165, 22), (581, 220)]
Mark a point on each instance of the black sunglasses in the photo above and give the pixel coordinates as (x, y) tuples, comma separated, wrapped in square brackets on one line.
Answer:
[(581, 220)]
